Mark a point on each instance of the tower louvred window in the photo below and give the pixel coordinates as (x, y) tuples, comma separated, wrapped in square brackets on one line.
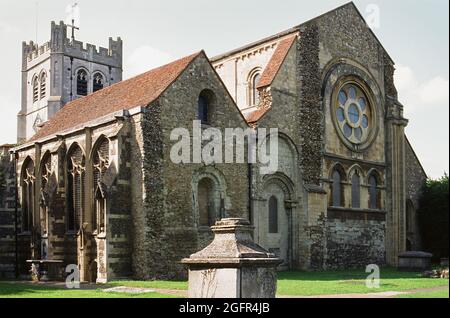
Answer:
[(35, 89), (82, 83), (43, 86), (98, 83)]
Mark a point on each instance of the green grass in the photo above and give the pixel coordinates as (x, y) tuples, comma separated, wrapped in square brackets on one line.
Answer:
[(160, 284), (433, 294), (350, 282), (289, 284), (23, 290)]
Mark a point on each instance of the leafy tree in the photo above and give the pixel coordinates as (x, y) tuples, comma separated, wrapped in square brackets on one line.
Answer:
[(433, 217)]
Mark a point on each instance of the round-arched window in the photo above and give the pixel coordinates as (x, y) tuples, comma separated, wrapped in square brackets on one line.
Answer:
[(353, 113)]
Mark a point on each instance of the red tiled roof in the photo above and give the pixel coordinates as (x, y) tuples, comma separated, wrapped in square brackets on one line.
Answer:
[(137, 91), (271, 70), (256, 115)]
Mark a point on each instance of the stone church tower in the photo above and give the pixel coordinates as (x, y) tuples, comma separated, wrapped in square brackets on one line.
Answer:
[(61, 71)]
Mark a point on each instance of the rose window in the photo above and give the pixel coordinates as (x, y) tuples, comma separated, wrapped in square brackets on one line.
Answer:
[(353, 114)]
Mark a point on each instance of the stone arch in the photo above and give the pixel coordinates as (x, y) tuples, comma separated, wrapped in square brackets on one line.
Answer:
[(288, 155), (355, 177), (338, 178), (340, 168), (252, 86), (75, 194), (45, 175), (374, 182), (27, 182), (212, 181), (277, 188), (43, 84), (35, 88), (282, 180), (99, 81), (82, 79), (377, 174), (101, 161)]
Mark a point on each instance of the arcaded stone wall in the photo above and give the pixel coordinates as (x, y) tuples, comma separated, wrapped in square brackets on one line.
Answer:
[(7, 215)]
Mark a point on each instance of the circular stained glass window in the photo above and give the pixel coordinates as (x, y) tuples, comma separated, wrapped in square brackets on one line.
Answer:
[(353, 113)]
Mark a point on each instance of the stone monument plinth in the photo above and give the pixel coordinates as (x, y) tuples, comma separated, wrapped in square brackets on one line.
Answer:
[(414, 261), (232, 266)]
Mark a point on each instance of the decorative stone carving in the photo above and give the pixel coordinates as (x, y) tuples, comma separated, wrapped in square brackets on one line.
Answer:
[(232, 266)]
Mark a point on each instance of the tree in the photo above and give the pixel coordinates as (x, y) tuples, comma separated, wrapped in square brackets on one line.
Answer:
[(433, 217)]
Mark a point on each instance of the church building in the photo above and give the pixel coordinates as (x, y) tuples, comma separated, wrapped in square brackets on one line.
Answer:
[(96, 185)]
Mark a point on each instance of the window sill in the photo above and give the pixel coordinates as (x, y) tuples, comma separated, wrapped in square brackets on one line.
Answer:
[(336, 208)]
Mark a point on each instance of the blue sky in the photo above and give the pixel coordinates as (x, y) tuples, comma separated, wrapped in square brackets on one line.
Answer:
[(414, 32)]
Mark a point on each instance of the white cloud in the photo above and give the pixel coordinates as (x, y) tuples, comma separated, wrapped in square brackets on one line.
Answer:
[(435, 91), (143, 59), (426, 106), (415, 94)]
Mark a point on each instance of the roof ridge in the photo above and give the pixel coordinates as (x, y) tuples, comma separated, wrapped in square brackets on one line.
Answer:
[(140, 90)]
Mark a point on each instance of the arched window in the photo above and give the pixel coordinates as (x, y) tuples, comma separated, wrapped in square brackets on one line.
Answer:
[(206, 203), (101, 163), (45, 177), (273, 215), (35, 85), (28, 180), (373, 193), (356, 189), (82, 83), (98, 82), (205, 106), (336, 189), (253, 94), (75, 188), (43, 87)]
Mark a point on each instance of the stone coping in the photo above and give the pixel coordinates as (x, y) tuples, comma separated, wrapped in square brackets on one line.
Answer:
[(231, 262), (415, 254)]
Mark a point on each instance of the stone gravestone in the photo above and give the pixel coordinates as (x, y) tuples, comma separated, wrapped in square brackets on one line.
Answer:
[(232, 266)]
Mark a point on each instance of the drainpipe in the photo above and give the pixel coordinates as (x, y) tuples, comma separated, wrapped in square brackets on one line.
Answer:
[(16, 217)]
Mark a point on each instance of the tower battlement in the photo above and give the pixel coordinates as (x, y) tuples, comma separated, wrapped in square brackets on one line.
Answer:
[(60, 71), (61, 43)]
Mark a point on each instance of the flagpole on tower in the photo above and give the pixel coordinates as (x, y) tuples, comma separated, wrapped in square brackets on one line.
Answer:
[(37, 20)]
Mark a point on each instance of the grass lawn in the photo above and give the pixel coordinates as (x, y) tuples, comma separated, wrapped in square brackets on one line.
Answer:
[(350, 282), (289, 284), (23, 290)]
